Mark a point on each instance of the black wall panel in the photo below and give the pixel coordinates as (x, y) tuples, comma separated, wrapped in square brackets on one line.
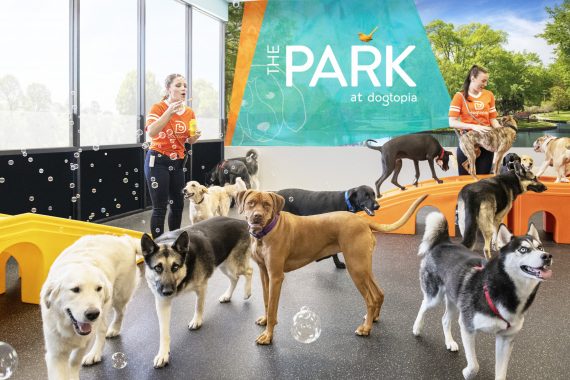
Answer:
[(205, 156), (40, 182)]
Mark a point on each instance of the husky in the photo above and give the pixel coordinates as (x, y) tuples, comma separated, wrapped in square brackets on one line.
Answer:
[(491, 296), (184, 260), (482, 205)]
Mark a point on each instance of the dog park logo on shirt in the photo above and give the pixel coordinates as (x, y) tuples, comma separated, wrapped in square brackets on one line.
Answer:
[(478, 105), (179, 127)]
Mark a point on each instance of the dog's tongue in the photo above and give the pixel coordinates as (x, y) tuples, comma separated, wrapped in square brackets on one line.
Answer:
[(545, 273), (85, 328)]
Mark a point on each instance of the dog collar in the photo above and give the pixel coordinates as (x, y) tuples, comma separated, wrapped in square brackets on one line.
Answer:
[(348, 204), (441, 154), (267, 229), (548, 141), (200, 201), (512, 127), (492, 305)]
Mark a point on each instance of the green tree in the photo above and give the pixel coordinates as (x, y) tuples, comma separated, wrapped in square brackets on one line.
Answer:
[(11, 91), (126, 100), (233, 31), (557, 30), (560, 98), (38, 97)]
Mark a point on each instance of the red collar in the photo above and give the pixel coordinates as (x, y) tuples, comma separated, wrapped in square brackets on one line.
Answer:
[(492, 305), (441, 154)]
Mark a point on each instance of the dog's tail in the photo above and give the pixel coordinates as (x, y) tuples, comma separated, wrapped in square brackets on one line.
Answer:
[(369, 143), (252, 154), (467, 220), (391, 227), (435, 233)]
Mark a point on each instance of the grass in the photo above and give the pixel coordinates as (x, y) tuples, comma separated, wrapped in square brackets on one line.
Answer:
[(563, 116)]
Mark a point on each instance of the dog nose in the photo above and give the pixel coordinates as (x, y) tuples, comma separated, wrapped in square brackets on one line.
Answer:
[(92, 314), (257, 217), (547, 258), (167, 291)]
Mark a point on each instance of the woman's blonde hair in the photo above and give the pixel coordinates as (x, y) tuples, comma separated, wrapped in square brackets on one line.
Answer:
[(168, 81)]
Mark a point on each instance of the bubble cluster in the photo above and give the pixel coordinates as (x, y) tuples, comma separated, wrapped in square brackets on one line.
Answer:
[(119, 360), (306, 326)]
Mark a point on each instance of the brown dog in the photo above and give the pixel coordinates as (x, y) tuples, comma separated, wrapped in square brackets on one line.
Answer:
[(557, 154), (498, 140), (283, 242)]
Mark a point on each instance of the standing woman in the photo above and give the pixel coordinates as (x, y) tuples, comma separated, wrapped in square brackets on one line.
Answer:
[(169, 124), (473, 108)]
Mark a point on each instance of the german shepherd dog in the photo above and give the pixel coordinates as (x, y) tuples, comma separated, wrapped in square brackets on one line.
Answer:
[(184, 260), (482, 205), (491, 297), (498, 140)]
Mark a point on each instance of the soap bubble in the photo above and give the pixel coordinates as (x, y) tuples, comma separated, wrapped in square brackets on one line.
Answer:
[(291, 199), (30, 159), (8, 361), (24, 153), (10, 162), (95, 148), (50, 179), (173, 156), (125, 180), (119, 360), (2, 180), (306, 326), (154, 185)]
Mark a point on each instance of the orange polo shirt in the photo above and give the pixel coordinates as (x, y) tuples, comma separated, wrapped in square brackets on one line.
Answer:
[(170, 141), (482, 107)]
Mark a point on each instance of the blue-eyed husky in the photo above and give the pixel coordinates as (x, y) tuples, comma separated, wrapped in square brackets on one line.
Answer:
[(490, 297), (185, 259)]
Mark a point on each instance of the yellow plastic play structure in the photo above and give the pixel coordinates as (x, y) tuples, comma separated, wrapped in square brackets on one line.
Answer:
[(36, 240)]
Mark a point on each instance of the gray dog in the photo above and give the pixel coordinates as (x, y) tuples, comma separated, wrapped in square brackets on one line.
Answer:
[(417, 147)]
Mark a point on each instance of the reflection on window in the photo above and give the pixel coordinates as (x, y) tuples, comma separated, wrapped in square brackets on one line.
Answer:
[(108, 74), (206, 55), (34, 74), (165, 46)]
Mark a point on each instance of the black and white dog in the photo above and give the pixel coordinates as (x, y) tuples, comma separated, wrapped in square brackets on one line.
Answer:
[(227, 171), (251, 162), (184, 260), (491, 296), (306, 202), (509, 162)]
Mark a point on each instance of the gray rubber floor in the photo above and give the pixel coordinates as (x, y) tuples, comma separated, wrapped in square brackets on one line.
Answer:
[(224, 348)]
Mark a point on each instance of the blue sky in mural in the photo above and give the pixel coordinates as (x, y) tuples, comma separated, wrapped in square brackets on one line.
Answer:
[(522, 19)]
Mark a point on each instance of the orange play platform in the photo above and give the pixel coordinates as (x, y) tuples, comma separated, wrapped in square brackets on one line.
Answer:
[(36, 240), (555, 202)]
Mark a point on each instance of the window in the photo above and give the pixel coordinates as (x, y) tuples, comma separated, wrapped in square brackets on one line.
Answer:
[(34, 74), (165, 46), (108, 72), (206, 86)]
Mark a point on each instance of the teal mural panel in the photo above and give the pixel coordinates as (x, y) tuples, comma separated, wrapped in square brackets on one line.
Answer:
[(314, 81)]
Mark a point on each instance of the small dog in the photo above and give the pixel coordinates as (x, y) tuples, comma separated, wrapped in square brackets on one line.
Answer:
[(251, 162), (93, 275), (305, 202), (498, 140), (557, 154), (226, 172), (482, 205), (491, 297), (185, 259), (207, 202), (509, 162), (527, 162), (416, 147), (284, 242)]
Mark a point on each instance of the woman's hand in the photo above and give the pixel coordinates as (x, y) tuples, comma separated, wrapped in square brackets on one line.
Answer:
[(192, 139), (482, 128), (175, 107)]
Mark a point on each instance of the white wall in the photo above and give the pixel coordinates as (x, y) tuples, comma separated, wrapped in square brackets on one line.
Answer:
[(338, 168), (218, 8)]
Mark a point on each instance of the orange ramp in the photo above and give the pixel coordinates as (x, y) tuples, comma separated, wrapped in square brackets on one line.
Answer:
[(36, 240)]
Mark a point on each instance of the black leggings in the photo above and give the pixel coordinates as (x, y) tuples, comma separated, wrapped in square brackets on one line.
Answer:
[(165, 181), (483, 164)]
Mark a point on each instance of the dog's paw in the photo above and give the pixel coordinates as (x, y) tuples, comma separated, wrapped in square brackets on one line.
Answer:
[(91, 358), (470, 373), (112, 332), (417, 329), (452, 346), (225, 298), (195, 324), (439, 181), (261, 321), (564, 179), (247, 295), (264, 339), (161, 359), (362, 330)]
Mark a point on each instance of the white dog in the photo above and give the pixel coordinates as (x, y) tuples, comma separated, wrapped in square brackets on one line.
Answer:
[(207, 202), (89, 277)]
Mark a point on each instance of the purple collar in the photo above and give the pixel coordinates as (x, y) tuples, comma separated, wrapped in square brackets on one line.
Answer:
[(267, 229)]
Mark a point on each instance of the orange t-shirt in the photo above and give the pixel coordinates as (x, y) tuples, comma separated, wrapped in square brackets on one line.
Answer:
[(170, 141), (482, 107)]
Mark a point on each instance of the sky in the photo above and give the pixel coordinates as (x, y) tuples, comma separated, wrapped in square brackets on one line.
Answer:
[(521, 19)]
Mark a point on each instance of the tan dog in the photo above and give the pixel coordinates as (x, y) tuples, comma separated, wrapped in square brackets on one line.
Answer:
[(498, 140), (557, 154), (527, 162), (284, 242)]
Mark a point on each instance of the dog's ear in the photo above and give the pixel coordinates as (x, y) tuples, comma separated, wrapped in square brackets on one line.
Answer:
[(533, 232), (49, 293), (504, 236), (519, 169), (203, 189), (107, 289), (240, 199), (181, 243), (148, 246), (278, 202)]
